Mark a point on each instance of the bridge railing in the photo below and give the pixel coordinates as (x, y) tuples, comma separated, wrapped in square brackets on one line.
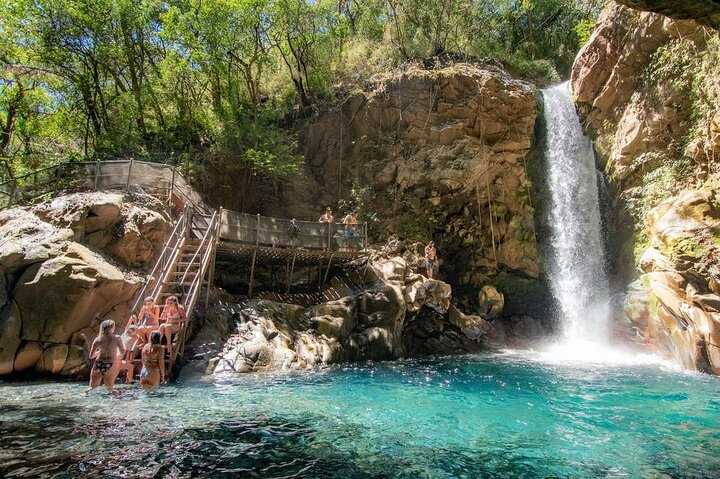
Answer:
[(165, 181), (277, 232), (128, 175)]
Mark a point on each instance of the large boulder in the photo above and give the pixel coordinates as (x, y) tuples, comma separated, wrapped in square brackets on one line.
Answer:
[(58, 283), (705, 12), (387, 311)]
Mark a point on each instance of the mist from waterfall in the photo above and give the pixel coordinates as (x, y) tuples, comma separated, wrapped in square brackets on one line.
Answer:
[(576, 264)]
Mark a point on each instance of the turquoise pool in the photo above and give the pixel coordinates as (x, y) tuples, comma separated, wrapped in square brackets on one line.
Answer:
[(499, 416)]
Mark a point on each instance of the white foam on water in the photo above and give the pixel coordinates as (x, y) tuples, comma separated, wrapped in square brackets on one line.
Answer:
[(584, 353)]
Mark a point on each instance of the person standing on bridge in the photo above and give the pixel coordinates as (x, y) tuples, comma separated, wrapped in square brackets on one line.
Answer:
[(293, 232), (350, 222), (327, 219)]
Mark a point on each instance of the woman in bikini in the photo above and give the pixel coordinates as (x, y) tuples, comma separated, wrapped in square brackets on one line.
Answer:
[(149, 318), (153, 363), (174, 316), (104, 351)]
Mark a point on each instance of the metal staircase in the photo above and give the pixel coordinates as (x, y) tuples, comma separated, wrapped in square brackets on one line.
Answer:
[(187, 259), (188, 256)]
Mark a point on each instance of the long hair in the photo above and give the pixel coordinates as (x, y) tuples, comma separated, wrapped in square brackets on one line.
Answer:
[(155, 337), (105, 327)]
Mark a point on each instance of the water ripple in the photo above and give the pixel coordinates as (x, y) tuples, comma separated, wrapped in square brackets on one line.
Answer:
[(500, 416)]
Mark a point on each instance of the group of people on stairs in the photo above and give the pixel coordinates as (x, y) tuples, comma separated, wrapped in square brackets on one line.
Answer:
[(144, 333)]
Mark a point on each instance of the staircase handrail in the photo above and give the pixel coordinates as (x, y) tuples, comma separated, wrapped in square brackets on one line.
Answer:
[(162, 263), (210, 228), (191, 297)]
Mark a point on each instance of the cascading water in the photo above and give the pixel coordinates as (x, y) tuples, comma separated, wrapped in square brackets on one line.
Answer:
[(577, 267)]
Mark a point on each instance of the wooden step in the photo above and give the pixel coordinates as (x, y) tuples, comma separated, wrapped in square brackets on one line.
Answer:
[(192, 253), (187, 263), (166, 294), (177, 283)]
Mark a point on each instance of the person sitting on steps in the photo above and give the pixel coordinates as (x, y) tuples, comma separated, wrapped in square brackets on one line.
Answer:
[(149, 319), (174, 316), (153, 363)]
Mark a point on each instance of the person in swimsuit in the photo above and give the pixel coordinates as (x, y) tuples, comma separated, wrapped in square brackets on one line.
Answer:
[(153, 362), (131, 340), (104, 351), (148, 319), (327, 220), (350, 222), (430, 258), (174, 316)]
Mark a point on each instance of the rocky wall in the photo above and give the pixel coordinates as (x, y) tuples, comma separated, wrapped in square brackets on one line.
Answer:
[(382, 311), (441, 154), (646, 89), (65, 266)]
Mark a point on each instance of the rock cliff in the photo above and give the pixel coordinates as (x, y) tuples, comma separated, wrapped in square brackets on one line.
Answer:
[(381, 311), (646, 89), (705, 12), (66, 265), (443, 154)]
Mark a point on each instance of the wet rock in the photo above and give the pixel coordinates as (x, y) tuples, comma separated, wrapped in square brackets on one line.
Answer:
[(672, 305), (491, 302)]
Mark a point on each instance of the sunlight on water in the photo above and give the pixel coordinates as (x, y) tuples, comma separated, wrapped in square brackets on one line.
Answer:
[(502, 416), (592, 353)]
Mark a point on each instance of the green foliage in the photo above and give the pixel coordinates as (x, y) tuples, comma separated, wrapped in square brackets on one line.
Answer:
[(658, 184), (705, 89), (676, 63), (584, 30), (223, 79)]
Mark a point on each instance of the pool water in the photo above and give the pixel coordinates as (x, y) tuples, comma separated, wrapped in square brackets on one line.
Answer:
[(500, 415)]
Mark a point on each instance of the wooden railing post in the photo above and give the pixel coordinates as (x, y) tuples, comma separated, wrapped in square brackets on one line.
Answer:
[(329, 236), (257, 231), (172, 186), (97, 173), (365, 236), (127, 185), (188, 220), (254, 257)]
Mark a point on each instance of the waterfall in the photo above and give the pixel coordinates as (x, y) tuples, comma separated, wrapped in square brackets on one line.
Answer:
[(576, 267)]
